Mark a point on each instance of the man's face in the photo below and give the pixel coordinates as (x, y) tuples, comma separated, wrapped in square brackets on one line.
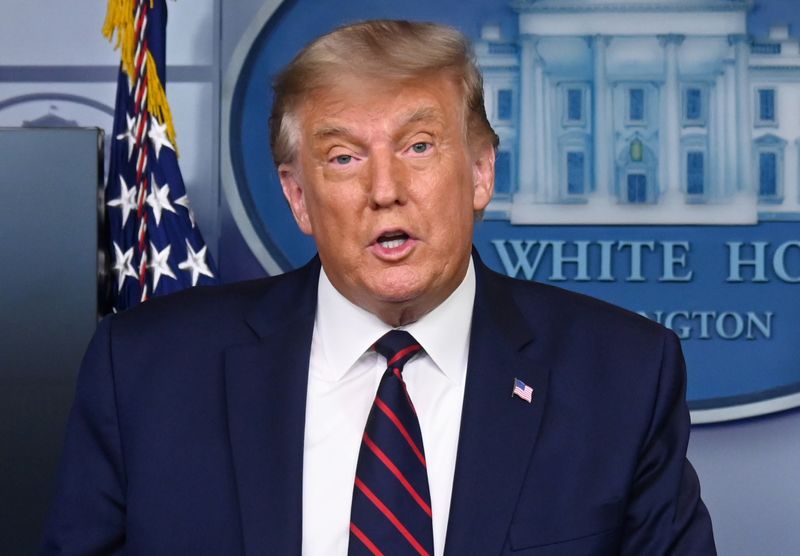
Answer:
[(386, 182)]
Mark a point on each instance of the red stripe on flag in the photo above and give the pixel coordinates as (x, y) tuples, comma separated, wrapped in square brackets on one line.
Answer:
[(397, 473), (143, 270), (365, 539), (391, 517), (140, 129), (140, 93), (141, 13), (394, 419), (143, 187), (140, 60), (141, 164)]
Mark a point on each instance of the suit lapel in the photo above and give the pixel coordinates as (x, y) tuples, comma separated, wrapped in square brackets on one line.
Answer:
[(266, 383), (498, 431)]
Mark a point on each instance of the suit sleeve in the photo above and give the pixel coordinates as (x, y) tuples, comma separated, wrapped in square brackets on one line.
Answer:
[(87, 514), (665, 513)]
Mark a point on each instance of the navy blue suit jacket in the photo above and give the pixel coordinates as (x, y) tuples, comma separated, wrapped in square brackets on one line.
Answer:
[(186, 436)]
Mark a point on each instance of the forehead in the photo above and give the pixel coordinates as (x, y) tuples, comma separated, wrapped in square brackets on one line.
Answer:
[(354, 102)]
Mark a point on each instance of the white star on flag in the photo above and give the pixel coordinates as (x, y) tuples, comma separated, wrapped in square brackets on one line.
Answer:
[(158, 199), (160, 264), (184, 202), (196, 263), (158, 135), (126, 200), (143, 126), (129, 134), (123, 265)]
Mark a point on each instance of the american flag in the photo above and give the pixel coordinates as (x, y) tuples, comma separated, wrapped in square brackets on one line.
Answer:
[(154, 242), (522, 390)]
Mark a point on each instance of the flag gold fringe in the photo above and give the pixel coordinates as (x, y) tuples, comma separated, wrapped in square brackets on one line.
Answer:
[(157, 103), (119, 20)]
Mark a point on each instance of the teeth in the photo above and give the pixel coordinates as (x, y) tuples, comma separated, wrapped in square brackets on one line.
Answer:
[(392, 243)]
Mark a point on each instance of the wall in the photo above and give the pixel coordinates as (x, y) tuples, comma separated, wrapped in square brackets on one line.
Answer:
[(750, 480)]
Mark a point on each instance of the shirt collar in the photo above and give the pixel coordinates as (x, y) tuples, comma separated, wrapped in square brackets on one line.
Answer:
[(347, 331)]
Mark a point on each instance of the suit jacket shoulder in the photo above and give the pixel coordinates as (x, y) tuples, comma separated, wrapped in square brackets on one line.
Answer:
[(555, 311), (185, 425), (243, 308), (607, 430)]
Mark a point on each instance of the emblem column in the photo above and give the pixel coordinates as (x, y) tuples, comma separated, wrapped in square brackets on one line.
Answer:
[(721, 180), (741, 46), (603, 136), (731, 131), (529, 121), (543, 189), (672, 116)]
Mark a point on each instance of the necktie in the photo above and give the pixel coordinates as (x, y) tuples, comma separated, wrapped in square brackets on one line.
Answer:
[(391, 512)]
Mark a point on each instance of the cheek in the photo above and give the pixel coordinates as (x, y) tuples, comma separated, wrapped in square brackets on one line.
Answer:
[(338, 224), (451, 215)]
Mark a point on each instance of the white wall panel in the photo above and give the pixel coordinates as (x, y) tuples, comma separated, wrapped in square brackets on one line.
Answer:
[(194, 114), (53, 33), (191, 32)]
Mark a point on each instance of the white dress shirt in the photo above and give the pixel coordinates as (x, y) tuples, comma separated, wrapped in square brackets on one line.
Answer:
[(342, 381)]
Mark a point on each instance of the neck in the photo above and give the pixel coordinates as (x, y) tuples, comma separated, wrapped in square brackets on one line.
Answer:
[(402, 315)]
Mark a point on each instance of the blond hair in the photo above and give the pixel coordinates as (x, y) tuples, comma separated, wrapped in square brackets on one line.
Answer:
[(383, 50)]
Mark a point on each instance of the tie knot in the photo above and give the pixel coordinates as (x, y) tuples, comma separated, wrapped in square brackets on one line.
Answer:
[(397, 346)]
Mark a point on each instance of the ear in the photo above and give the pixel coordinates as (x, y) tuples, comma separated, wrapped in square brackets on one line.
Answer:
[(294, 192), (483, 177)]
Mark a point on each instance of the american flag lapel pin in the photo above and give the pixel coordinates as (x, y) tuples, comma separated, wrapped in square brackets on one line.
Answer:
[(522, 390)]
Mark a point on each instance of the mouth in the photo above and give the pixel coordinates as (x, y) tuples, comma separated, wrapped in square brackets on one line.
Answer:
[(393, 240), (393, 245)]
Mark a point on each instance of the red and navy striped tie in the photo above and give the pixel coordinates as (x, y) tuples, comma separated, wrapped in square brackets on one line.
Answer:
[(391, 511)]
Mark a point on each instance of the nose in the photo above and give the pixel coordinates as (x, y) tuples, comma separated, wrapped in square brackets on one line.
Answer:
[(386, 180)]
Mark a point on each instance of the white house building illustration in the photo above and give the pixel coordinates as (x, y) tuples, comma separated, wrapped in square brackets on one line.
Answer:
[(642, 111)]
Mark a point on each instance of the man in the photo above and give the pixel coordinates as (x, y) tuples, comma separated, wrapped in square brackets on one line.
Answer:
[(249, 436)]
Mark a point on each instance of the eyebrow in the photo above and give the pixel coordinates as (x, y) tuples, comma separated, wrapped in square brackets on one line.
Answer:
[(421, 114), (332, 130)]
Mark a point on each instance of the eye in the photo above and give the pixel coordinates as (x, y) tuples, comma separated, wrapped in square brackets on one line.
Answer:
[(420, 147), (343, 159)]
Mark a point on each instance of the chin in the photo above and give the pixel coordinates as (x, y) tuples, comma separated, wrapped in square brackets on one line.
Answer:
[(398, 287), (395, 296)]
